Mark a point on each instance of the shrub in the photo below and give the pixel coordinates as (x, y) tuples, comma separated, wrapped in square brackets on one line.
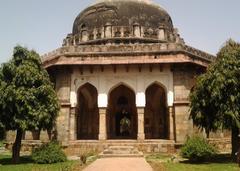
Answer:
[(48, 153), (197, 149)]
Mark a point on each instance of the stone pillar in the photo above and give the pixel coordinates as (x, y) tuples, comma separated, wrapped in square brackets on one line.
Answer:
[(136, 30), (102, 124), (84, 35), (140, 112), (68, 41), (72, 124), (108, 30), (161, 33), (74, 40), (171, 123), (62, 124)]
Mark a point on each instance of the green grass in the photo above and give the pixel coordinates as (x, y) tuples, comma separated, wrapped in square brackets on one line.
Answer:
[(27, 164), (218, 163), (201, 167)]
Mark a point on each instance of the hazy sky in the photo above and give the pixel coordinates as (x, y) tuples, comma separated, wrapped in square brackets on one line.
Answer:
[(43, 24)]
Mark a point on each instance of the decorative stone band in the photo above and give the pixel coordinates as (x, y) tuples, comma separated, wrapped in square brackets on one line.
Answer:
[(122, 34), (109, 53)]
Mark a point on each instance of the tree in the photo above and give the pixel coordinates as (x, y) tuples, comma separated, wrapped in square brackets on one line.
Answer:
[(28, 100), (215, 100)]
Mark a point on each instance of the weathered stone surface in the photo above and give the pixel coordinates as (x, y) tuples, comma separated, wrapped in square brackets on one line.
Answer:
[(131, 53), (63, 125), (130, 49), (63, 83)]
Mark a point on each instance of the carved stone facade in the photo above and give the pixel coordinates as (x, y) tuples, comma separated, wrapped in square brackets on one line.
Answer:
[(123, 76)]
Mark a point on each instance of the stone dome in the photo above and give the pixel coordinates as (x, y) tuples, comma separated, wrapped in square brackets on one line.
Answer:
[(122, 21), (122, 13)]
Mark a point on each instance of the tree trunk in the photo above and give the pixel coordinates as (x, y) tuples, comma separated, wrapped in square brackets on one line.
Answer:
[(235, 142), (16, 147), (207, 133)]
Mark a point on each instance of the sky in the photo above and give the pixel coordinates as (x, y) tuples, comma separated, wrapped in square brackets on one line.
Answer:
[(43, 24)]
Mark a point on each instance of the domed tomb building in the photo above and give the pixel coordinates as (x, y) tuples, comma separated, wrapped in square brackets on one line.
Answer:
[(124, 75)]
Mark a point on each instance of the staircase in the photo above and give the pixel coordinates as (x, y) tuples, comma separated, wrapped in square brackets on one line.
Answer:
[(121, 151)]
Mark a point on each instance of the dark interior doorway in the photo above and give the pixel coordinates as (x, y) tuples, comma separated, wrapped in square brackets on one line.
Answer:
[(156, 116), (122, 114), (87, 113)]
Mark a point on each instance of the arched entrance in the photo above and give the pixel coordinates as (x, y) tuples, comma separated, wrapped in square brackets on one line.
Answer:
[(156, 116), (87, 113), (122, 114)]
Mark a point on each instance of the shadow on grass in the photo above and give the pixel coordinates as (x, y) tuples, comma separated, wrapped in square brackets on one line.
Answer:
[(7, 160), (219, 158)]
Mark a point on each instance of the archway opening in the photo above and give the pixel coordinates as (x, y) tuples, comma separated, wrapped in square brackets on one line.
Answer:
[(156, 116), (87, 113), (122, 114)]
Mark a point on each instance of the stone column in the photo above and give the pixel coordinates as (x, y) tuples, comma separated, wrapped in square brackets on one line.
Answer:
[(171, 123), (136, 30), (62, 124), (102, 124), (108, 30), (84, 35), (72, 124), (140, 135), (161, 33)]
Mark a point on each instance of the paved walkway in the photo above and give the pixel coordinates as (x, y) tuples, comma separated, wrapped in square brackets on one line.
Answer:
[(119, 164)]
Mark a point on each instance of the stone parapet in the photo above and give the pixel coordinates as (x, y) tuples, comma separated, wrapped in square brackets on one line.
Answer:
[(127, 48), (130, 53)]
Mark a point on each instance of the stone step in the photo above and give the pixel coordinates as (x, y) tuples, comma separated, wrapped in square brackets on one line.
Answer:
[(120, 147), (121, 151), (120, 155)]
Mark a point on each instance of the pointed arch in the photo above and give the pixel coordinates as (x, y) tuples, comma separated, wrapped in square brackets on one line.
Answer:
[(84, 89), (87, 112), (156, 120), (119, 84), (159, 84), (121, 104)]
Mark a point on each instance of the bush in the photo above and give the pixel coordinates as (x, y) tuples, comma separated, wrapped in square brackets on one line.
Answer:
[(48, 153), (197, 149)]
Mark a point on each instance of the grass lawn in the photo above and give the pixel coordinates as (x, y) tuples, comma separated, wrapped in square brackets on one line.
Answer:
[(202, 167), (27, 165), (164, 163)]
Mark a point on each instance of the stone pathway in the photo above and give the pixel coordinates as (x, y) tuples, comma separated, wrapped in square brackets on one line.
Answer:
[(119, 164)]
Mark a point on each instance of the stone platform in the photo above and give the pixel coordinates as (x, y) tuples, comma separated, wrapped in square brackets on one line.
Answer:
[(96, 146), (76, 148)]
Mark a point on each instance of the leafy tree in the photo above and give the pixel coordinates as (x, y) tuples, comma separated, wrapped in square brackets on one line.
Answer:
[(28, 100), (215, 100)]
